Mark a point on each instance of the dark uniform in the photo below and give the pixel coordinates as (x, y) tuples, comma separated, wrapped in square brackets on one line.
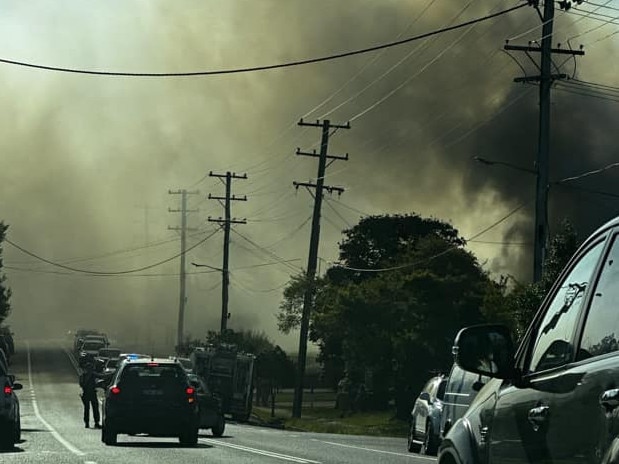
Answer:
[(88, 380)]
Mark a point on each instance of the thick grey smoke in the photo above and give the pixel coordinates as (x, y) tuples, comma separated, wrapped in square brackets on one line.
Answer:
[(87, 161)]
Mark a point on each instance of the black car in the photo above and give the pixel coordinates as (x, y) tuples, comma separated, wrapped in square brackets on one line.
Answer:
[(153, 397), (209, 407), (555, 398), (10, 423), (424, 434)]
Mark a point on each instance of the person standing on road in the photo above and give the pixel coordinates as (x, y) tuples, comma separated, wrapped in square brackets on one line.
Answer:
[(88, 379)]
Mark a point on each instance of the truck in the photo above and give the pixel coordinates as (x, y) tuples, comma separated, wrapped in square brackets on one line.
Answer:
[(229, 373)]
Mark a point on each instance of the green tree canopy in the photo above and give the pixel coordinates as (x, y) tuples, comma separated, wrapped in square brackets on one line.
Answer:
[(400, 324)]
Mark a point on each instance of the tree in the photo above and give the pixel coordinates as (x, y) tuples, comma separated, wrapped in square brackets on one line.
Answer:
[(523, 301), (392, 328), (5, 292)]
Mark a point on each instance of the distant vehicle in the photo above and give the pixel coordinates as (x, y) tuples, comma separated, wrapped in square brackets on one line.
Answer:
[(97, 337), (424, 434), (230, 375), (462, 388), (151, 396), (10, 422), (108, 353), (89, 350), (104, 355), (186, 363), (109, 369), (555, 398), (209, 405)]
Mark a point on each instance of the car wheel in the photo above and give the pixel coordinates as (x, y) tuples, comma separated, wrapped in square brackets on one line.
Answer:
[(109, 436), (412, 446), (189, 437), (430, 447), (7, 440), (218, 429)]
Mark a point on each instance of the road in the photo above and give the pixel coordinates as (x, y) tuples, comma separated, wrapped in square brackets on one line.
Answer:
[(53, 431)]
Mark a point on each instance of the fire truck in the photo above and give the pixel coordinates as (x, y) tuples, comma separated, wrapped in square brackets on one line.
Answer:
[(229, 374)]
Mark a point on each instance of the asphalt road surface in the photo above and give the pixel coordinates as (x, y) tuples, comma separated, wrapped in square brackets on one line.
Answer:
[(53, 431)]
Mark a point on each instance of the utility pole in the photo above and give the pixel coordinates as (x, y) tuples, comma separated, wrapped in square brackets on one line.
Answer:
[(183, 230), (308, 298), (545, 79), (226, 221)]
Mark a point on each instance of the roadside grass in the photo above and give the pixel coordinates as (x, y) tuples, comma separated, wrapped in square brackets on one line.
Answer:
[(328, 420)]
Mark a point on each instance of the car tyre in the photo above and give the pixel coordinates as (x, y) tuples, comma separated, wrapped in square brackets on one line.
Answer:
[(218, 429), (7, 440), (430, 446), (189, 437), (109, 436), (412, 446)]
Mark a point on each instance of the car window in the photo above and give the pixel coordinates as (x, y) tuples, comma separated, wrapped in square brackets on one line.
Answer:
[(602, 325), (553, 346)]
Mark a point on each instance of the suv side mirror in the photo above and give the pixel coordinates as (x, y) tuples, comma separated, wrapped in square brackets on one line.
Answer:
[(424, 396), (487, 350)]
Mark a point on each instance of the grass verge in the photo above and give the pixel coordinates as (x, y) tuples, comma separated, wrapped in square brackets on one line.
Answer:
[(328, 420)]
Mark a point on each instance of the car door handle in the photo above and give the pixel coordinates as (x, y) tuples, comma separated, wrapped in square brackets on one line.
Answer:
[(538, 416), (610, 399)]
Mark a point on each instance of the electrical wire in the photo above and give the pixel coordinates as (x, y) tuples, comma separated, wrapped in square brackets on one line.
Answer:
[(588, 173), (328, 203), (248, 69), (88, 271), (367, 64), (390, 69), (266, 251)]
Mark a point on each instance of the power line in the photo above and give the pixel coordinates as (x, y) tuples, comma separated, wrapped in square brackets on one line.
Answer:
[(267, 252), (87, 271), (263, 67)]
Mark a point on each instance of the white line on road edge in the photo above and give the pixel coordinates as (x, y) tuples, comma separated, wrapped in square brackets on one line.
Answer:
[(374, 450), (37, 413), (270, 454)]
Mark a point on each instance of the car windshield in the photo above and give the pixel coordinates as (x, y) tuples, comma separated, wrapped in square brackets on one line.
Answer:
[(92, 346)]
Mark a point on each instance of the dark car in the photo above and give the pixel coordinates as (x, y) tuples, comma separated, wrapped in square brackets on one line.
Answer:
[(153, 397), (109, 369), (10, 423), (462, 388), (209, 407), (424, 434), (555, 398)]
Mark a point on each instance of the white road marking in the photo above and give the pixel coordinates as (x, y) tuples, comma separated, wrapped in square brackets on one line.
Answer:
[(37, 413), (90, 462), (270, 454), (409, 455)]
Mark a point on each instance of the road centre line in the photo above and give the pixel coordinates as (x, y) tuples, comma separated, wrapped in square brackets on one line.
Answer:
[(37, 413), (270, 454), (409, 455)]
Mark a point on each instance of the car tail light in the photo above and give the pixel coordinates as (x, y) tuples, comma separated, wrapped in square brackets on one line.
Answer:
[(115, 390), (8, 390), (191, 394)]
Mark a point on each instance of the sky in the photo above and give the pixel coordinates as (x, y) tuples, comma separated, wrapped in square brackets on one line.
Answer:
[(87, 162)]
